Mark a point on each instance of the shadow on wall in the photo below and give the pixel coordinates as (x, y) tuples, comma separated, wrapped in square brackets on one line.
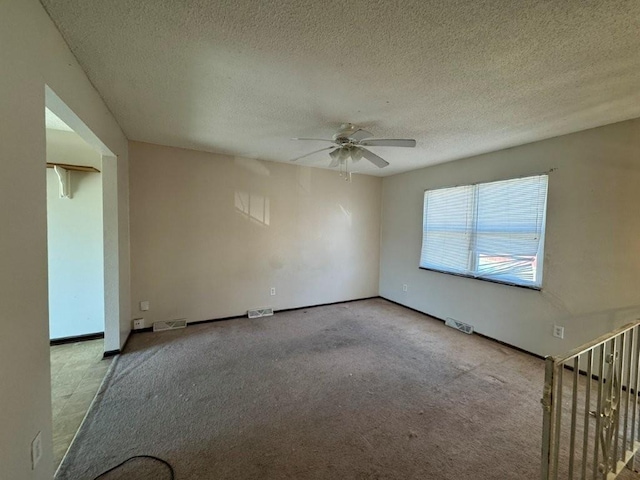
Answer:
[(303, 175), (251, 165)]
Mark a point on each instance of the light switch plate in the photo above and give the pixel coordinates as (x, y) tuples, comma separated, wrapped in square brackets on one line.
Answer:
[(144, 306)]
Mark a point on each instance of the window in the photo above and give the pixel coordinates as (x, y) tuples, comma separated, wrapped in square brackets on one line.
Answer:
[(492, 231)]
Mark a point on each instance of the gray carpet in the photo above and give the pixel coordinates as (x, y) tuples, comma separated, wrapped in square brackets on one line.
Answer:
[(361, 390)]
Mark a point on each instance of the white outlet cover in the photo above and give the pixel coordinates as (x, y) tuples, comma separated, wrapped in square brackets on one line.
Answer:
[(273, 290), (405, 287), (36, 451), (558, 331)]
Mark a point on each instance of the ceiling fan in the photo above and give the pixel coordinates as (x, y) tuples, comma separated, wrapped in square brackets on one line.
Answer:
[(349, 142)]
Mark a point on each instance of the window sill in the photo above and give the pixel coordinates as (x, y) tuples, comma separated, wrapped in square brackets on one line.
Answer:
[(509, 284)]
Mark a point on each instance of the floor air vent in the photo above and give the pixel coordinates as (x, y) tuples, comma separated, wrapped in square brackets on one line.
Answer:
[(260, 312), (169, 325), (463, 327)]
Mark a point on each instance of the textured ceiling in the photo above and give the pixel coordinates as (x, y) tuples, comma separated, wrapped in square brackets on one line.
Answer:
[(461, 76)]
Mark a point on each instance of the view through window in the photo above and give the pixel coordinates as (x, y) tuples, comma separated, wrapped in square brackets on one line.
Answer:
[(492, 231)]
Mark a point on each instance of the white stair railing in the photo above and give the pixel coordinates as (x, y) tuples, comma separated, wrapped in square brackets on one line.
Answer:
[(591, 412)]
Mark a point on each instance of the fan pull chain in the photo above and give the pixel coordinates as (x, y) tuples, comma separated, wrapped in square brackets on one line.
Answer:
[(347, 172), (343, 168)]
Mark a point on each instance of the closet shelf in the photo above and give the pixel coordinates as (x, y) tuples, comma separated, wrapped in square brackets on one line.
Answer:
[(76, 168)]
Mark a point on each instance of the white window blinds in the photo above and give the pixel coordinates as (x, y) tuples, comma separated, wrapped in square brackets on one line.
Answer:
[(491, 230)]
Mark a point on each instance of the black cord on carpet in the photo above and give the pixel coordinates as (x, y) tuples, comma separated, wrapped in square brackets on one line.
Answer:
[(139, 456)]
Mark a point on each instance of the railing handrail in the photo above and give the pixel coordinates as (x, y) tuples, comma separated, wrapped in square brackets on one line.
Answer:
[(594, 343)]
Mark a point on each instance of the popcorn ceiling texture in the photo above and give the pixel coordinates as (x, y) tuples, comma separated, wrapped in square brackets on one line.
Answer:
[(462, 77)]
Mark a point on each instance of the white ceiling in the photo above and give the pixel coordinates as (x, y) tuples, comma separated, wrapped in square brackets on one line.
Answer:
[(461, 76)]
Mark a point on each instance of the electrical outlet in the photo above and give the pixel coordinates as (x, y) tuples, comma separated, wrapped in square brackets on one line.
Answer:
[(36, 451), (273, 291), (558, 331), (405, 287), (144, 306), (138, 323)]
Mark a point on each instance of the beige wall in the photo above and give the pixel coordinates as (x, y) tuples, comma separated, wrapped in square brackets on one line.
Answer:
[(211, 234), (34, 54), (592, 249)]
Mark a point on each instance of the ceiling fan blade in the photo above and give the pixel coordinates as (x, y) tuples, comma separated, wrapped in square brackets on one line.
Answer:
[(388, 142), (314, 139), (311, 153), (360, 135), (373, 158)]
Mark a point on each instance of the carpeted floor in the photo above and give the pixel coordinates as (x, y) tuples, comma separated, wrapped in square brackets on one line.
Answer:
[(361, 390)]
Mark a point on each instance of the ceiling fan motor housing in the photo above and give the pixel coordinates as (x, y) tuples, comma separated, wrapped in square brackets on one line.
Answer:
[(342, 141), (343, 136)]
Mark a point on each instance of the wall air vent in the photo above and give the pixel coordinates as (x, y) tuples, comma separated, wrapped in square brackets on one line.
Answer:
[(261, 312), (169, 325), (463, 327)]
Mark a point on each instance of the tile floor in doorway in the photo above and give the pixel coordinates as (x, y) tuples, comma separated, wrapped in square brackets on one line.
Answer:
[(77, 370)]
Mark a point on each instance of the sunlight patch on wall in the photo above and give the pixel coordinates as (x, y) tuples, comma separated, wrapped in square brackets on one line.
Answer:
[(347, 214), (254, 207)]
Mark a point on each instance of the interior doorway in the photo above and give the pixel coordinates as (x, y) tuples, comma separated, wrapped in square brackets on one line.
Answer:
[(74, 235), (109, 185), (82, 214)]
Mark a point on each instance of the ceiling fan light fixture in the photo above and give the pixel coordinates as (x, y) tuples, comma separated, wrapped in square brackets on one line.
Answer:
[(356, 154)]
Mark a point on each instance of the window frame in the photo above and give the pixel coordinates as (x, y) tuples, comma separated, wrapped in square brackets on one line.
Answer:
[(473, 233)]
